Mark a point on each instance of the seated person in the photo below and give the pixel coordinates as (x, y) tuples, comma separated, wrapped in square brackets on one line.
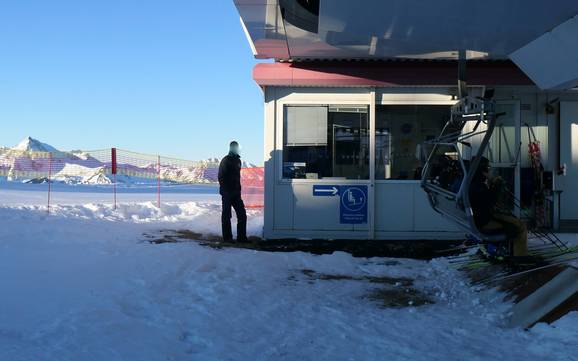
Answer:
[(484, 194)]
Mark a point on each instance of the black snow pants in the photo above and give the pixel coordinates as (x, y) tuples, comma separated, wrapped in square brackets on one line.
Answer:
[(235, 202)]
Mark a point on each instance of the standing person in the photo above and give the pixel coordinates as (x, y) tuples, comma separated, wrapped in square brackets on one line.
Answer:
[(230, 190)]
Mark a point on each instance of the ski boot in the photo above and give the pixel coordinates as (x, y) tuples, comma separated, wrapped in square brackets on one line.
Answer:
[(499, 252)]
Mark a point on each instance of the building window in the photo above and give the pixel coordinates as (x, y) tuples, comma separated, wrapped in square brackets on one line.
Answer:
[(326, 142), (399, 132), (503, 148), (303, 14)]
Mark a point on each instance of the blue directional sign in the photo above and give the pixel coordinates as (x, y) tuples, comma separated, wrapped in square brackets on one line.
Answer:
[(353, 205), (325, 190), (352, 201)]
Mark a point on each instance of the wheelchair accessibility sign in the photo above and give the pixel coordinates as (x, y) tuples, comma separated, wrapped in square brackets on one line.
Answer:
[(353, 207), (352, 201)]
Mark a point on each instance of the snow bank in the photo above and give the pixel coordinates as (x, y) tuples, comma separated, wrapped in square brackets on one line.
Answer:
[(202, 217)]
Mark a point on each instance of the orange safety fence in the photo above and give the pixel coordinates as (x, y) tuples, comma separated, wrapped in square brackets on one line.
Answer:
[(253, 187), (120, 167)]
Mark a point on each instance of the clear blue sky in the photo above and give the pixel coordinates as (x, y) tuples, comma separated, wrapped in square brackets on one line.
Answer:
[(170, 77)]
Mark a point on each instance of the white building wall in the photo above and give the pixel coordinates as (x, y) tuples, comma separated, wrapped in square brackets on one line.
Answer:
[(401, 207)]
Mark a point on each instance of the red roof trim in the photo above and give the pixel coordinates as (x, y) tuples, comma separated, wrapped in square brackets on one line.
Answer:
[(386, 74)]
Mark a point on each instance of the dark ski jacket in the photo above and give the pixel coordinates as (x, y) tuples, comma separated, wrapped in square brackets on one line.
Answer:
[(230, 175), (483, 200)]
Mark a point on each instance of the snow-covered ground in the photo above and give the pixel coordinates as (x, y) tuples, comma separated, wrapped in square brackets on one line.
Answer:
[(84, 284)]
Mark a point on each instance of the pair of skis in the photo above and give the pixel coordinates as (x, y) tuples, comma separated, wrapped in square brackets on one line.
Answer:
[(540, 257)]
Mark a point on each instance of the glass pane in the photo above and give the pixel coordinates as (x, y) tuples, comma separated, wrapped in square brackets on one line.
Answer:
[(326, 142), (445, 169), (503, 148), (306, 126), (400, 131)]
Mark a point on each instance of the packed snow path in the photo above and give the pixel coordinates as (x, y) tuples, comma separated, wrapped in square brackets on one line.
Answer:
[(83, 284)]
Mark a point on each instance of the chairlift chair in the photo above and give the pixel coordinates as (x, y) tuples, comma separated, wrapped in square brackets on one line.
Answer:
[(447, 174)]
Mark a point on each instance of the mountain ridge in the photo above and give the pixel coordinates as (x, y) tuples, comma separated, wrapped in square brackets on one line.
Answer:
[(78, 167)]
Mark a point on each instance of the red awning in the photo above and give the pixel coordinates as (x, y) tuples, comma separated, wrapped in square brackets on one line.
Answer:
[(386, 74)]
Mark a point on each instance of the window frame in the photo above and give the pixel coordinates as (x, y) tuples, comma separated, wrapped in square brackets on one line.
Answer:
[(281, 135), (393, 92), (370, 97), (407, 103)]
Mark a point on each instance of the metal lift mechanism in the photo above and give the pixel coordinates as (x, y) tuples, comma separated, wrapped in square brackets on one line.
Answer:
[(450, 197), (454, 202), (447, 176)]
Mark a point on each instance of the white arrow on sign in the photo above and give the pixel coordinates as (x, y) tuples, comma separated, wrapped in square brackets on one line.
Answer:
[(333, 191)]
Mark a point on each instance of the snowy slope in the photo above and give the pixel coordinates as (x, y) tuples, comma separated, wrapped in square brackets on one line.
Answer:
[(83, 284)]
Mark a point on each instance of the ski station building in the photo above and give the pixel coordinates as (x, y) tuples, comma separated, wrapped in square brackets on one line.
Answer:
[(352, 89)]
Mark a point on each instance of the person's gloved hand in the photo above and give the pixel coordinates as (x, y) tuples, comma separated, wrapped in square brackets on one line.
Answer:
[(497, 179), (497, 182)]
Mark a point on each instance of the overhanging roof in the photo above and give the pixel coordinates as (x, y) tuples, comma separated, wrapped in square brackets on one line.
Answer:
[(437, 29)]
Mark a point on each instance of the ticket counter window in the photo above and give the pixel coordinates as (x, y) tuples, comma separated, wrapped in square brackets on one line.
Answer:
[(399, 135), (326, 142)]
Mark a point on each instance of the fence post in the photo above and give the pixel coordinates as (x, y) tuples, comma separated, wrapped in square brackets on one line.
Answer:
[(113, 166), (49, 181), (159, 181)]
